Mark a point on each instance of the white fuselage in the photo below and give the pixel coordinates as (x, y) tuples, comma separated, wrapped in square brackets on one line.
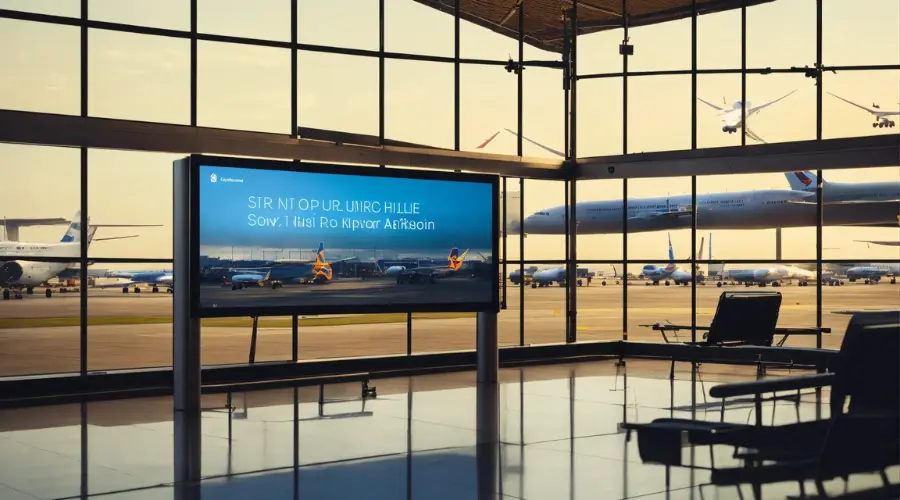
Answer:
[(858, 191), (31, 273), (768, 274), (763, 209)]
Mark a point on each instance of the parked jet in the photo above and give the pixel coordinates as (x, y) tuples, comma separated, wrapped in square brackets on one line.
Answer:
[(766, 275), (515, 275), (18, 275), (155, 279), (558, 275), (881, 120), (871, 274), (733, 118), (430, 274), (846, 192), (679, 276)]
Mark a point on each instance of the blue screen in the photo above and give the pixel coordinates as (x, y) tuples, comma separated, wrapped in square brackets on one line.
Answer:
[(274, 235)]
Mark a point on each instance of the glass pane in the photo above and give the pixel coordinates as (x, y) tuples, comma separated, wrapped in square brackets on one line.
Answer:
[(599, 117), (43, 74), (262, 19), (488, 106), (860, 34), (139, 77), (780, 108), (514, 217), (545, 304), (645, 100), (67, 8), (665, 46), (545, 220), (40, 333), (543, 114), (599, 218), (742, 214), (600, 302), (129, 316), (417, 93), (338, 23), (781, 35), (353, 335), (846, 235), (719, 40), (168, 14), (857, 285), (413, 28), (476, 42), (508, 320), (228, 340), (599, 53), (337, 92), (715, 95), (243, 87), (853, 101)]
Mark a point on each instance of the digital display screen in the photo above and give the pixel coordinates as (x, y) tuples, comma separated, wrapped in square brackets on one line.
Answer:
[(373, 241)]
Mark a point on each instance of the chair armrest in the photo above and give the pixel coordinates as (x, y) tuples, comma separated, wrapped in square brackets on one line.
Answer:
[(801, 330), (763, 386)]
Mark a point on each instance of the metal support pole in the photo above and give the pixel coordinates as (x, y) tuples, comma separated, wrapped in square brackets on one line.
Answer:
[(521, 180), (83, 252), (743, 72), (186, 345), (819, 193), (487, 359), (777, 244), (295, 339), (253, 337), (572, 229)]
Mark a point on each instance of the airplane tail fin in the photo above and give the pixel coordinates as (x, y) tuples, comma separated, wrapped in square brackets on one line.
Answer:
[(801, 181), (73, 232), (702, 241), (455, 260), (320, 255), (671, 252)]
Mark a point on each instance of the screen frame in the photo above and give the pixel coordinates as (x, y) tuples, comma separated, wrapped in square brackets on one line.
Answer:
[(194, 163)]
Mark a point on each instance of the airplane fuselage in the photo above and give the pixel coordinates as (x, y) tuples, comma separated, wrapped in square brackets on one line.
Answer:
[(763, 209), (25, 273)]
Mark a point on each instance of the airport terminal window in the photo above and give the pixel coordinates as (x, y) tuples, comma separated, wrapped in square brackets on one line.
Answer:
[(782, 108), (337, 92), (597, 53), (645, 100), (545, 303), (260, 19), (43, 73), (243, 87), (543, 120), (418, 93), (719, 40), (599, 217), (545, 220), (853, 100), (139, 77), (600, 110), (658, 47), (167, 14), (476, 42), (338, 23), (436, 332)]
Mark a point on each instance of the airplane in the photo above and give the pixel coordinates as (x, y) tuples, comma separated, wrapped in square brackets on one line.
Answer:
[(733, 118), (872, 273), (515, 276), (655, 274), (155, 279), (766, 275), (558, 275), (881, 120), (293, 271), (759, 209), (18, 275), (433, 273), (846, 192)]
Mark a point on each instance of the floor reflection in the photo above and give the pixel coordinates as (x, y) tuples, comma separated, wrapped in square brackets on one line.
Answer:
[(550, 432)]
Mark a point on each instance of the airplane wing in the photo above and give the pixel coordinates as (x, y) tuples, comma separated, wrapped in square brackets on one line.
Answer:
[(754, 109), (545, 148), (115, 238), (860, 106), (883, 243), (711, 105), (751, 134)]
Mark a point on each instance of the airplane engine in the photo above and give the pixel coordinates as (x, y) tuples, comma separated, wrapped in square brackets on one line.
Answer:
[(10, 272)]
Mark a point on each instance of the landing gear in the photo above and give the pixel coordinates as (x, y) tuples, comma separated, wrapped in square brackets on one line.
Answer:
[(719, 284), (667, 282), (124, 289), (170, 290), (154, 289), (729, 130), (893, 281), (5, 294), (137, 289), (48, 293), (29, 290), (884, 124)]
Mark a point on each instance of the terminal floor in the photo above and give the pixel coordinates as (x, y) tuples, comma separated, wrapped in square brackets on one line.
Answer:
[(558, 439)]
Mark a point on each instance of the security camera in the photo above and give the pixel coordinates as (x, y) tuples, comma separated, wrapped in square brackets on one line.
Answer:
[(611, 169)]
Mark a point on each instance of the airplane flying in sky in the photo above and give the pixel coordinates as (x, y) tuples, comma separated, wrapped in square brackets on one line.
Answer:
[(881, 117), (431, 274), (733, 118), (17, 275)]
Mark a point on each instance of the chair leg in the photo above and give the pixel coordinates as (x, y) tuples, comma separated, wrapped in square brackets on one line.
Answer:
[(672, 370)]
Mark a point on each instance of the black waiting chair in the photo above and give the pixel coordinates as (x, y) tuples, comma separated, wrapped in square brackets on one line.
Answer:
[(865, 438), (741, 319)]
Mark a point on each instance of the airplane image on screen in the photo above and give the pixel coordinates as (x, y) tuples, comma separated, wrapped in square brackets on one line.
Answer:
[(291, 271), (881, 117), (18, 275), (430, 274), (733, 118)]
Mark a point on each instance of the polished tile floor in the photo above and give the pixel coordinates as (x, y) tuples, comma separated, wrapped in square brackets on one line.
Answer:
[(558, 430)]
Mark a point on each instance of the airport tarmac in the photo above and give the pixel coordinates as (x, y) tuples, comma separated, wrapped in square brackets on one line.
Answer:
[(143, 338), (346, 292)]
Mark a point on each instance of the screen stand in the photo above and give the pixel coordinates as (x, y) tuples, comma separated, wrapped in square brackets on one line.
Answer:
[(487, 362), (186, 344)]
